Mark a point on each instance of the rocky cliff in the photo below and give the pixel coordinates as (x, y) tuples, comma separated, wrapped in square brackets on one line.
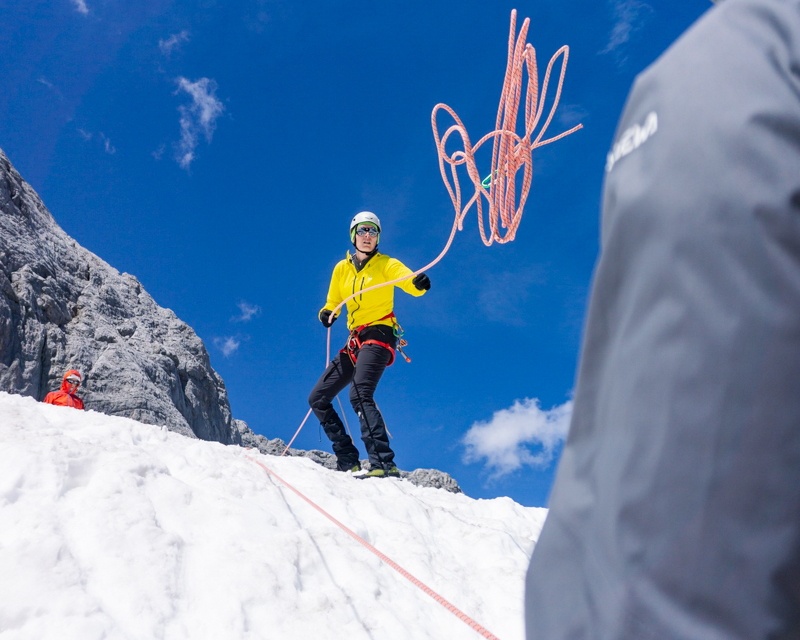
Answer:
[(63, 307)]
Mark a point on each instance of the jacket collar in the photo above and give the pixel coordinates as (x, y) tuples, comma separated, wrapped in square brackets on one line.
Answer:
[(353, 260)]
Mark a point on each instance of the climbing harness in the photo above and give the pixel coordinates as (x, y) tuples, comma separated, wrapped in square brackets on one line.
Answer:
[(354, 342)]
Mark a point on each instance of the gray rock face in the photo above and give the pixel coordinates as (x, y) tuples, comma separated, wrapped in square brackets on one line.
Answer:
[(434, 479), (63, 307)]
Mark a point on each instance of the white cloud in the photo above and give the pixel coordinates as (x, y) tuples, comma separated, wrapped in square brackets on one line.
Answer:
[(571, 114), (227, 345), (521, 435), (81, 7), (173, 42), (629, 16), (109, 148), (249, 311), (197, 118), (50, 86)]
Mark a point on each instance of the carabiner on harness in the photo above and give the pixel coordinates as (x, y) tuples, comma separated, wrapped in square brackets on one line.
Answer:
[(401, 342)]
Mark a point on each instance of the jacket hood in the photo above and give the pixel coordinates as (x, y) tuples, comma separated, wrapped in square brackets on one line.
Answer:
[(71, 372)]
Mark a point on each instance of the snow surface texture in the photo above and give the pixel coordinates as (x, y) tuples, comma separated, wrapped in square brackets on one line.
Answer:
[(113, 529)]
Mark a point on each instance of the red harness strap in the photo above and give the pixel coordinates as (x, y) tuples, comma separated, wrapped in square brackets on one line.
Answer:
[(364, 326), (383, 344), (354, 343)]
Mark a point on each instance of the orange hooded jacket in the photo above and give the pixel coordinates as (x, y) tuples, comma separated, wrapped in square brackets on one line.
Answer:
[(64, 398)]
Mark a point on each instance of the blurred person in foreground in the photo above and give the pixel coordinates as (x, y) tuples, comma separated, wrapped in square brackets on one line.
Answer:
[(66, 397), (676, 507)]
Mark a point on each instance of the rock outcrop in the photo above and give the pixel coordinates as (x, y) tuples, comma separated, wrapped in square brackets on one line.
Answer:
[(432, 478)]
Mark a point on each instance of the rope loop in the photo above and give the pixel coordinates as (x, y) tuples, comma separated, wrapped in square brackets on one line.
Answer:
[(511, 151)]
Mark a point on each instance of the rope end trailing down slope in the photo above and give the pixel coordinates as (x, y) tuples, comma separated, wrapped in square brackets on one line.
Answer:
[(511, 151), (408, 576)]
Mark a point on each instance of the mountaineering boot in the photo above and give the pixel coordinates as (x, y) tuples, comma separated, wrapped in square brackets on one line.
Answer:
[(380, 472)]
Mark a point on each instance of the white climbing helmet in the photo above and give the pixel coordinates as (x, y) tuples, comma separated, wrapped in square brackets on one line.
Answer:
[(361, 218)]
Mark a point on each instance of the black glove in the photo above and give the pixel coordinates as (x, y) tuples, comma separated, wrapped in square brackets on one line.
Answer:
[(325, 318), (422, 282)]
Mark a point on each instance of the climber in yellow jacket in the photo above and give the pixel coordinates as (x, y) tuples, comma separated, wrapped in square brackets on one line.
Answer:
[(370, 347)]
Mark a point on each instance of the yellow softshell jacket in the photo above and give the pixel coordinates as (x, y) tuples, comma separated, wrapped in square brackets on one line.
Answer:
[(369, 308)]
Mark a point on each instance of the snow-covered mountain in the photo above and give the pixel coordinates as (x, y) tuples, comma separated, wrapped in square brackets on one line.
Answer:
[(113, 529)]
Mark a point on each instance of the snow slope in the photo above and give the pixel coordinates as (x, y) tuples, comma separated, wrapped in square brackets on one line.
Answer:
[(113, 529)]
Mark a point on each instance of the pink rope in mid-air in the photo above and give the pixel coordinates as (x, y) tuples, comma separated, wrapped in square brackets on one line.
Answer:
[(511, 153)]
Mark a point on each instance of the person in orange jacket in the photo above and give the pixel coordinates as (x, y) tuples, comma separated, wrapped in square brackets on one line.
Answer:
[(66, 396)]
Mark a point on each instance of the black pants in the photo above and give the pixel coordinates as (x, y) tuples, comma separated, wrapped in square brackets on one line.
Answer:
[(364, 376)]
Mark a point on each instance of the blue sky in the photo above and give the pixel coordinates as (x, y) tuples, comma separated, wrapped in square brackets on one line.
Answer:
[(218, 149)]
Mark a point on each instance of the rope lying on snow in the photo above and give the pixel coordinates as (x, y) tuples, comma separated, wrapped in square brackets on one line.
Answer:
[(451, 608)]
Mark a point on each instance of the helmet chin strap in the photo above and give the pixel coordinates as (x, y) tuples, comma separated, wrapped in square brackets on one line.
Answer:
[(367, 253)]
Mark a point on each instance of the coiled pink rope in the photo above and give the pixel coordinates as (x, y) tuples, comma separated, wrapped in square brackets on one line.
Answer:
[(511, 152), (450, 607)]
